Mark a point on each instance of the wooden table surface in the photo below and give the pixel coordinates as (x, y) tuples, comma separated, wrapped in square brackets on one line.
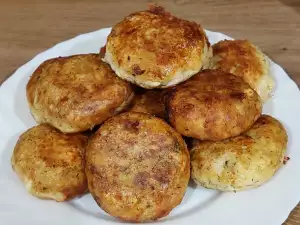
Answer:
[(28, 27)]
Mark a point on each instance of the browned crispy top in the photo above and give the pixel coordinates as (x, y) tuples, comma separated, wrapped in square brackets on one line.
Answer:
[(137, 167), (213, 105), (75, 93), (51, 161), (240, 58), (154, 44), (150, 101)]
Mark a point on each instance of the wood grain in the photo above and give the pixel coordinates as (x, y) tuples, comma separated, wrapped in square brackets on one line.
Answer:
[(28, 27)]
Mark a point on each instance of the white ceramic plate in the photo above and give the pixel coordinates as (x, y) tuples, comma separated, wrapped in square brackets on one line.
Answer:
[(269, 204)]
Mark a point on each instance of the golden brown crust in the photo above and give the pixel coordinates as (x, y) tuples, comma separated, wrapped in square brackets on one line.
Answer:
[(50, 163), (102, 51), (76, 93), (152, 48), (245, 60), (151, 102), (243, 162), (213, 105), (138, 167)]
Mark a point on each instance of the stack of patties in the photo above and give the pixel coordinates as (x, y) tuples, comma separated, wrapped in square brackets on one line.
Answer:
[(234, 147), (136, 165), (66, 96), (143, 162)]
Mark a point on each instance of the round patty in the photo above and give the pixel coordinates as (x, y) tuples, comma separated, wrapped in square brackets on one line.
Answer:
[(154, 49), (243, 162), (213, 105), (245, 60), (76, 93), (50, 163), (138, 167), (150, 101)]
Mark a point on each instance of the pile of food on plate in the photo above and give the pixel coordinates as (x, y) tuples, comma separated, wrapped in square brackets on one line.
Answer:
[(156, 81)]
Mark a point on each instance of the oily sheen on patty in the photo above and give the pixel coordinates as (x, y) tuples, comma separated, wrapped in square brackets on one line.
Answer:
[(213, 105), (155, 49), (243, 59), (76, 93)]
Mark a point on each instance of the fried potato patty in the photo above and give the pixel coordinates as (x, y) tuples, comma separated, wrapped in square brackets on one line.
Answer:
[(150, 101), (50, 163), (154, 49), (243, 162), (76, 93), (245, 60), (138, 167), (213, 105)]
